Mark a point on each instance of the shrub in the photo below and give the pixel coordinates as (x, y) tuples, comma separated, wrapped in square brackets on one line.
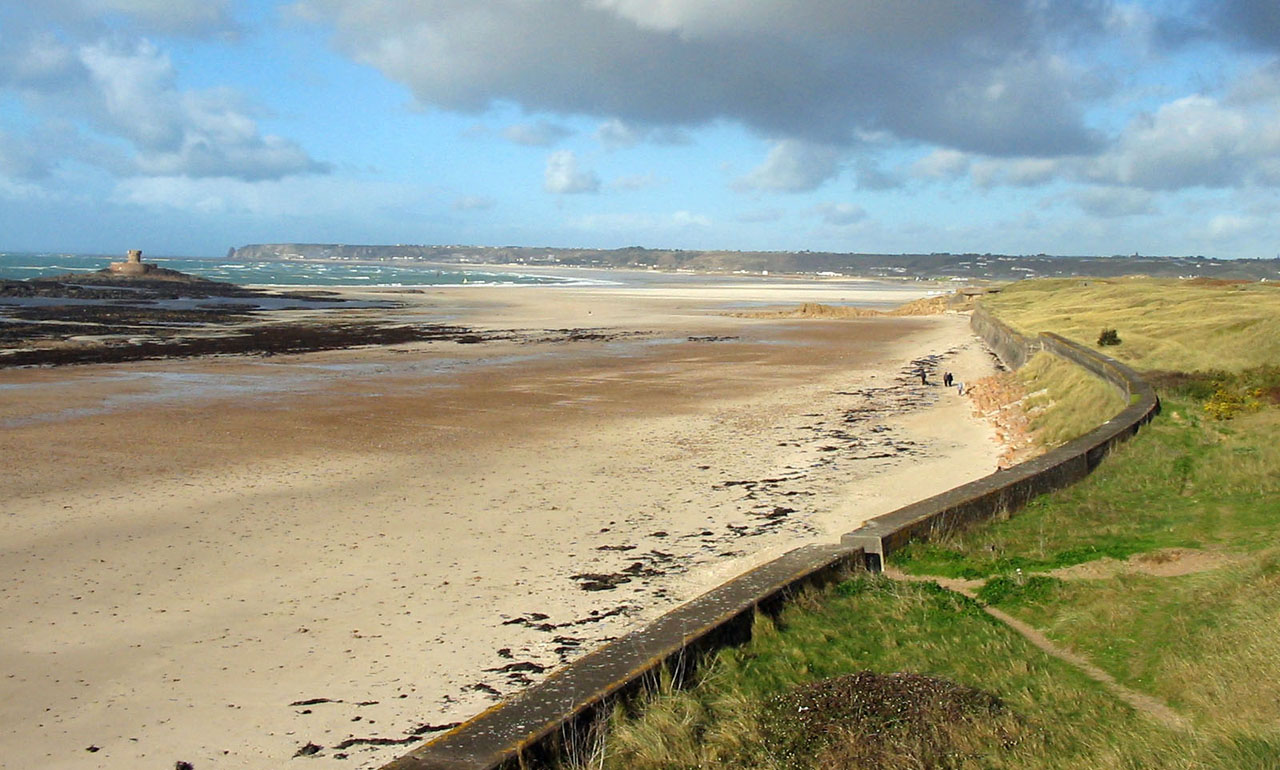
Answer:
[(1228, 402), (1108, 337)]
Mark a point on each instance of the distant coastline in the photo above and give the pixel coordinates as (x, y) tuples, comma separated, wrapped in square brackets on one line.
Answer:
[(935, 266)]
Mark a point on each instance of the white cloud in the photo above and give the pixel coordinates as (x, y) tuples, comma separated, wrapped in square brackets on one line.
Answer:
[(294, 198), (564, 176), (1195, 141), (615, 134), (685, 219), (1230, 225), (539, 134), (473, 203), (1016, 172), (941, 164), (127, 90), (841, 214), (631, 222), (794, 166), (1115, 202), (758, 216), (636, 182)]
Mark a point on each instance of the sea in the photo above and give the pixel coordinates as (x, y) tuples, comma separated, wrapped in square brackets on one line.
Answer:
[(412, 274), (24, 265)]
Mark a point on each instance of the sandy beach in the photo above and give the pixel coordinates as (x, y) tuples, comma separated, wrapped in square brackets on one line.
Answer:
[(232, 561)]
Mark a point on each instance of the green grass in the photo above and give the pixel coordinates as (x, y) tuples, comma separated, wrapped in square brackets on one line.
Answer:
[(1189, 482), (1056, 718), (1204, 643), (871, 623)]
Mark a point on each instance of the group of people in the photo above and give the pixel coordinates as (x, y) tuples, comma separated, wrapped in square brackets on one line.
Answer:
[(947, 380)]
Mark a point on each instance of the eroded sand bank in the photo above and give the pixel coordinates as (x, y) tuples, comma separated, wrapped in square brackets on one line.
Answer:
[(221, 561)]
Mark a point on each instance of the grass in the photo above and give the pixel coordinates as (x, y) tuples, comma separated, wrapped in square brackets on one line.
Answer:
[(1048, 715), (1065, 400), (1096, 568), (1162, 324), (1190, 482), (874, 624)]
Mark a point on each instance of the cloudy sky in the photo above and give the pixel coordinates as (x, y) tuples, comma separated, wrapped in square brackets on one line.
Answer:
[(1013, 126)]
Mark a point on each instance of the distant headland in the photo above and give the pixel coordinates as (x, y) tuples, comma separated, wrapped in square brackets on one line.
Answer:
[(935, 266)]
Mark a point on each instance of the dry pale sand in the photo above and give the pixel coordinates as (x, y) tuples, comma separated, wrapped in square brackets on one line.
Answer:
[(221, 561)]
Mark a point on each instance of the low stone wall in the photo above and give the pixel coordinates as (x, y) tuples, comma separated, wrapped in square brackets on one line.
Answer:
[(1011, 488), (559, 714)]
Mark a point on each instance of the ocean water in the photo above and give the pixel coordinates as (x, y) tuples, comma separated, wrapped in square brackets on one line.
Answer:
[(23, 265)]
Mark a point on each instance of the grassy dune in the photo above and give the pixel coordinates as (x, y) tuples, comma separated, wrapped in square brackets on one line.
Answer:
[(1162, 569), (1163, 324)]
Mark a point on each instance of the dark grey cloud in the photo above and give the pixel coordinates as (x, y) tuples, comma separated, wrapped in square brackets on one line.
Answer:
[(1255, 22), (976, 75), (1243, 24)]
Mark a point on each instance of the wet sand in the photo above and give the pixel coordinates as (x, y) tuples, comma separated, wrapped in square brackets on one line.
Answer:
[(226, 560)]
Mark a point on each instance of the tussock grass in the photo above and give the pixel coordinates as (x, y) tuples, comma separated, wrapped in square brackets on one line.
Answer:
[(1066, 400)]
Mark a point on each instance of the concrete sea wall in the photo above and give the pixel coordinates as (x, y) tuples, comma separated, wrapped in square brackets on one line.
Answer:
[(1011, 488), (559, 715)]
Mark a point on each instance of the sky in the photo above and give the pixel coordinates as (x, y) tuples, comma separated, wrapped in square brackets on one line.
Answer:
[(1074, 127)]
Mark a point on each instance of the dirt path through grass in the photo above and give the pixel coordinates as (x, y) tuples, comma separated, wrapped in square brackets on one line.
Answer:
[(1146, 704)]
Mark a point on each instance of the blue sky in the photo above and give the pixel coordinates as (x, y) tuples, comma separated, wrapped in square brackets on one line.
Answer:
[(1075, 127)]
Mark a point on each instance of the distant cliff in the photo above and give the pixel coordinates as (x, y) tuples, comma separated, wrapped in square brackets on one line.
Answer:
[(927, 266)]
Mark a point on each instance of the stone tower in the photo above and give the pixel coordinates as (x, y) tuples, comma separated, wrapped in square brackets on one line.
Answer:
[(132, 265)]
